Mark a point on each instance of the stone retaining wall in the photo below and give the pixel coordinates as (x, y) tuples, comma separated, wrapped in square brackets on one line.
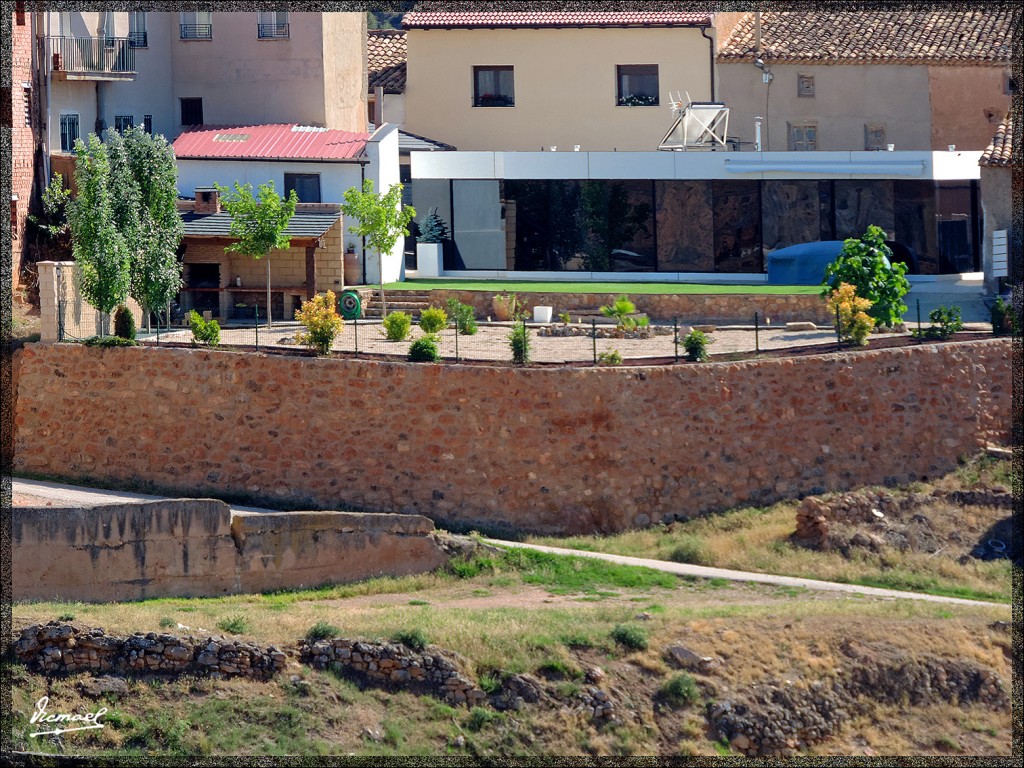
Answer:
[(717, 308), (560, 450), (191, 548)]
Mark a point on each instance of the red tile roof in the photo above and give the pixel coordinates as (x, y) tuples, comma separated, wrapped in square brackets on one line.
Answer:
[(1000, 152), (269, 142), (386, 57), (529, 19), (877, 37)]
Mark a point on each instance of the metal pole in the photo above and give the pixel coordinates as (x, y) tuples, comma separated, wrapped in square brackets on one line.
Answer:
[(456, 339), (757, 335), (593, 333), (355, 333), (919, 318), (257, 327), (675, 337), (839, 329)]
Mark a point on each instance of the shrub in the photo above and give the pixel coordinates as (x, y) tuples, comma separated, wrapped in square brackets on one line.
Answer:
[(620, 309), (519, 340), (414, 639), (203, 331), (514, 308), (234, 625), (464, 316), (851, 315), (109, 341), (432, 228), (397, 326), (944, 323), (320, 317), (865, 263), (692, 551), (433, 319), (1002, 316), (696, 345), (124, 323), (630, 636), (166, 622), (424, 350), (609, 358), (322, 631), (564, 317), (680, 690), (480, 717)]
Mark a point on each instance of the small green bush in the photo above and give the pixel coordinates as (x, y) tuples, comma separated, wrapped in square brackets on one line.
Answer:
[(620, 309), (944, 323), (464, 316), (692, 551), (109, 341), (322, 631), (415, 639), (696, 345), (424, 350), (234, 625), (519, 340), (320, 317), (124, 323), (433, 320), (203, 331), (166, 622), (397, 326), (610, 358), (480, 718), (680, 690), (565, 318), (66, 617), (630, 636), (490, 682)]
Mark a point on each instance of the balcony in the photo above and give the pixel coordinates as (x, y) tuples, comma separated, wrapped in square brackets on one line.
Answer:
[(273, 31), (91, 58), (197, 31)]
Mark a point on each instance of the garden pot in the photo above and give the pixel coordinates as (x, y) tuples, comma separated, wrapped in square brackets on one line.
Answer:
[(353, 269), (501, 309), (429, 259), (542, 314)]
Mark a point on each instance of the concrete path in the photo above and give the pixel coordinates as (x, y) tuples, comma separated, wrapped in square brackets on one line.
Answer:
[(91, 497)]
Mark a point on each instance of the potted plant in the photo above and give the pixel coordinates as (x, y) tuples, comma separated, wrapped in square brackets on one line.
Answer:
[(430, 245), (507, 306)]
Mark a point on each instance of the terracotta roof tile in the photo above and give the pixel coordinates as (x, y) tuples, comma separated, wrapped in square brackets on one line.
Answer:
[(891, 37), (1000, 151), (386, 57), (449, 20)]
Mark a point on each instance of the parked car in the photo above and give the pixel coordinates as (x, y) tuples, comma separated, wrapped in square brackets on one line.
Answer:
[(804, 264)]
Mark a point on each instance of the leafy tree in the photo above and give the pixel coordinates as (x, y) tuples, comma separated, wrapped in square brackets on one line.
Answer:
[(53, 231), (103, 258), (381, 219), (258, 222), (866, 264)]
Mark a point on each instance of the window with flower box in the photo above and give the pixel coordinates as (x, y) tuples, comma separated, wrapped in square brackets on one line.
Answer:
[(493, 87)]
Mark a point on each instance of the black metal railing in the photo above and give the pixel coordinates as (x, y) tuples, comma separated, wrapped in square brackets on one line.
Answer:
[(138, 39), (494, 100), (197, 31), (273, 31), (92, 55)]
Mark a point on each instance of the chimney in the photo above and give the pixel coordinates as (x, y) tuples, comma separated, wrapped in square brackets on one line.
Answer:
[(207, 200)]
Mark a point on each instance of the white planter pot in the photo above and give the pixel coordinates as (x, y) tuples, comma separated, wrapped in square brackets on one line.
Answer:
[(542, 314), (429, 259)]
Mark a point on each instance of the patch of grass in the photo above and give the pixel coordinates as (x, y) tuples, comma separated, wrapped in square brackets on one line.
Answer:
[(722, 747), (416, 639), (680, 690), (470, 568), (66, 617), (560, 668), (631, 636), (490, 682), (166, 622), (234, 625), (479, 718), (419, 602), (564, 574), (322, 630)]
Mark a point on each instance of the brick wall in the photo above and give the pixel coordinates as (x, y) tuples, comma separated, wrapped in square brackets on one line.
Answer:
[(558, 450), (22, 136)]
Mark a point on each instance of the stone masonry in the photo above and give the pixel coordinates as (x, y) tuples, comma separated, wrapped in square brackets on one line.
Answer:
[(560, 450)]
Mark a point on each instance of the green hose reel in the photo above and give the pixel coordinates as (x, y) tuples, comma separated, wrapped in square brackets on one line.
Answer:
[(351, 305)]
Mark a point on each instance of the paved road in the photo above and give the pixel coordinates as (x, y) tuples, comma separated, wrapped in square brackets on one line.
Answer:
[(91, 497)]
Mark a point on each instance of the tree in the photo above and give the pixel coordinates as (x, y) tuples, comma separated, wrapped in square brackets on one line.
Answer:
[(258, 222), (866, 264), (156, 269), (381, 219), (103, 258)]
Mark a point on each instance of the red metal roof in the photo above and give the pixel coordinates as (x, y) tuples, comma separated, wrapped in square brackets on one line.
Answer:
[(445, 20), (269, 142)]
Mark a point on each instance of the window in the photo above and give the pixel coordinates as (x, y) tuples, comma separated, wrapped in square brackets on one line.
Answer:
[(123, 122), (637, 85), (64, 24), (68, 132), (27, 90), (493, 87), (805, 85), (272, 25), (803, 137), (306, 186), (874, 136), (147, 124), (196, 25), (137, 29), (191, 111)]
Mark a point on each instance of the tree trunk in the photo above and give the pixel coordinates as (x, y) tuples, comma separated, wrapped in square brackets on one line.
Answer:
[(383, 300), (269, 313)]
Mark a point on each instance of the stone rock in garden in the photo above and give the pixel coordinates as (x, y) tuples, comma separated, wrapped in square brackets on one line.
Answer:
[(801, 327), (526, 686), (595, 675), (94, 687)]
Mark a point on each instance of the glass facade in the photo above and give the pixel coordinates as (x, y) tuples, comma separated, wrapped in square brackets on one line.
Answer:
[(715, 226)]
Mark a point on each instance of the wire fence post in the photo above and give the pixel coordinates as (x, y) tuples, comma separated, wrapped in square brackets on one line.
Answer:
[(675, 337), (757, 335), (257, 327), (839, 329), (919, 318), (355, 334), (456, 339), (593, 334)]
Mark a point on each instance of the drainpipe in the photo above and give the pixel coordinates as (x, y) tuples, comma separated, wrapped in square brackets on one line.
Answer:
[(711, 59), (47, 65), (362, 183)]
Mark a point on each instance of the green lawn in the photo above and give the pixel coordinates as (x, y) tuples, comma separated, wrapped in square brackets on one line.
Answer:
[(530, 286)]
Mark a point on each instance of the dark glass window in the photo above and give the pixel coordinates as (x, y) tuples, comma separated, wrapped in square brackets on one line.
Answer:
[(191, 111), (123, 122), (68, 132), (306, 186), (147, 124), (637, 85), (493, 87)]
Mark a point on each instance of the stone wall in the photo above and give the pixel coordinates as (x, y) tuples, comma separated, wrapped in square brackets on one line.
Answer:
[(568, 450), (191, 548), (718, 308)]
